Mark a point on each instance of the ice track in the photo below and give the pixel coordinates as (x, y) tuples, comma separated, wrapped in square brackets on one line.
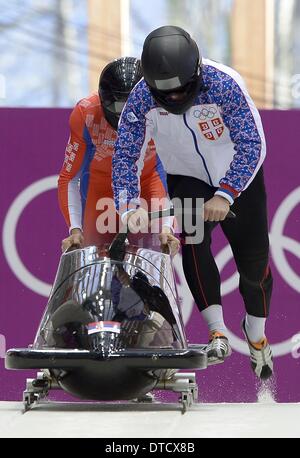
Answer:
[(264, 419)]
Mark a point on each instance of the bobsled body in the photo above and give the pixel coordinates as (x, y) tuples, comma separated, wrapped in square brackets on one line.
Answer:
[(111, 329)]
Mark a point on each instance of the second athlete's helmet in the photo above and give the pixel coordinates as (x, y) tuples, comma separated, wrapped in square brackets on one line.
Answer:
[(117, 80), (171, 64)]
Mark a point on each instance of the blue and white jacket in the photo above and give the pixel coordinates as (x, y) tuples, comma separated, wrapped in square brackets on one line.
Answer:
[(219, 140)]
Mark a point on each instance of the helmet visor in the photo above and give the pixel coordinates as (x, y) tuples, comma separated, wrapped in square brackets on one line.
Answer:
[(114, 102), (179, 99), (115, 107)]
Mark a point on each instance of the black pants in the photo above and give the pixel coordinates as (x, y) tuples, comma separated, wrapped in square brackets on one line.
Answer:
[(249, 240)]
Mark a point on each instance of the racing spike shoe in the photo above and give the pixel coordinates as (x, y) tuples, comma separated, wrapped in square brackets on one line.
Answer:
[(261, 356), (218, 348)]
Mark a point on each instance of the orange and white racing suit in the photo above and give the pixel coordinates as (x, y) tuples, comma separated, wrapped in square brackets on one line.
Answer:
[(86, 173)]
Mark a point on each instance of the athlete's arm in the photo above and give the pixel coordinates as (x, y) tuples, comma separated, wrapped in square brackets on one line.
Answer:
[(246, 131), (128, 159), (69, 179)]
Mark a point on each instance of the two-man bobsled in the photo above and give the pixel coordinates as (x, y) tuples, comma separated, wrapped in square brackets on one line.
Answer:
[(112, 329)]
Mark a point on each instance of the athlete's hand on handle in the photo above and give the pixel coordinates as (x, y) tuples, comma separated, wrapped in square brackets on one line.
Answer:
[(137, 221), (216, 209), (75, 239), (169, 243)]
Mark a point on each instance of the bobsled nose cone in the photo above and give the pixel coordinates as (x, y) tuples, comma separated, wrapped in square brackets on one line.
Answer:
[(104, 344)]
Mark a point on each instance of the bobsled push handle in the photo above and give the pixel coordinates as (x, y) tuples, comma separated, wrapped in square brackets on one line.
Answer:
[(177, 212), (117, 247)]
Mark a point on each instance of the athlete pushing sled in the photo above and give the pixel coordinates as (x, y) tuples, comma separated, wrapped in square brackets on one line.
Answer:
[(210, 139)]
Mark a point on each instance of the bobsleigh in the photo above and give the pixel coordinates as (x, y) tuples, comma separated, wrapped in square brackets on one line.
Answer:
[(112, 330)]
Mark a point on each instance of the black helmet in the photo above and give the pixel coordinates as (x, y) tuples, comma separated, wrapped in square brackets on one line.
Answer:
[(116, 82), (171, 65)]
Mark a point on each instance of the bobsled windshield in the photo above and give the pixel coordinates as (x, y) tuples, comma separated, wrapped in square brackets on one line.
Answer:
[(112, 305)]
